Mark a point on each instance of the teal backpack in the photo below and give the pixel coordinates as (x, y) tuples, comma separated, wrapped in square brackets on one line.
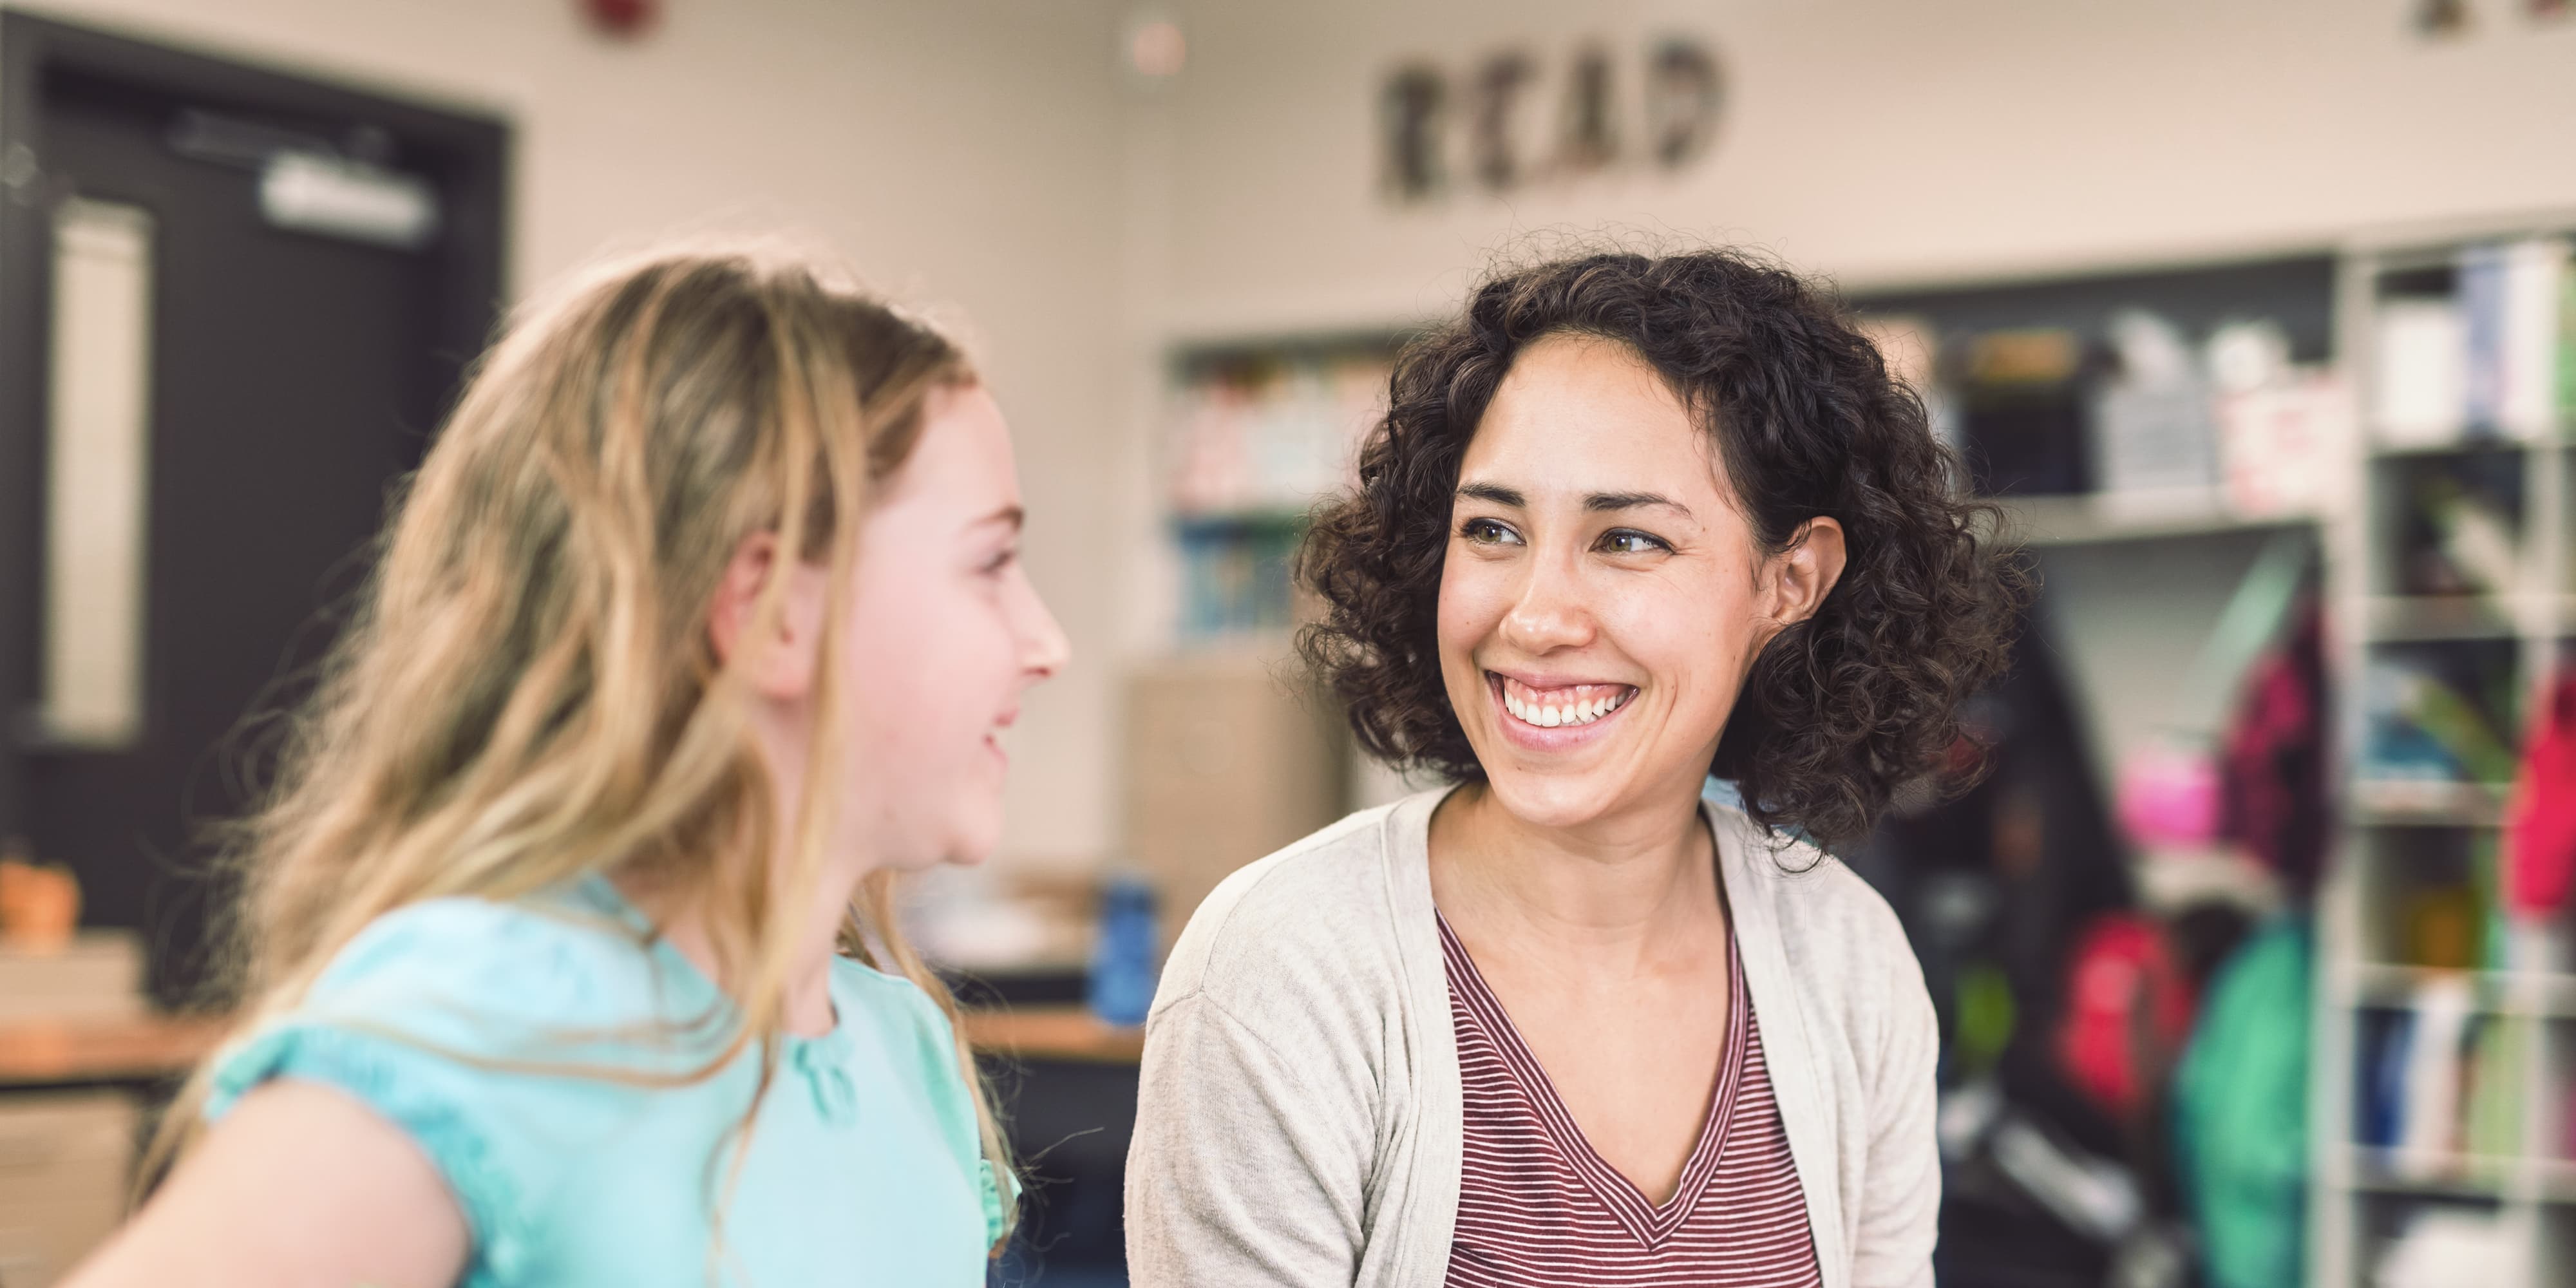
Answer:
[(2240, 1111)]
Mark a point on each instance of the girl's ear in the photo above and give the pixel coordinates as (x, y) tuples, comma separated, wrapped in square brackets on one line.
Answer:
[(781, 656), (1805, 573)]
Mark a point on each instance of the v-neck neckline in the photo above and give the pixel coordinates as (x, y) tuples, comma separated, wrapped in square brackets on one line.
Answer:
[(1650, 1223)]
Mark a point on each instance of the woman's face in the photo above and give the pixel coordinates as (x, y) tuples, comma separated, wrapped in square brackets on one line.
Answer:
[(944, 635), (1602, 600)]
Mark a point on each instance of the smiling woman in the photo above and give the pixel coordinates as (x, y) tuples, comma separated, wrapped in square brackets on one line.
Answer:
[(1628, 523), (1791, 416)]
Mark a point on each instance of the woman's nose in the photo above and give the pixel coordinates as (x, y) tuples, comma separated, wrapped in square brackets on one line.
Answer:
[(1549, 614)]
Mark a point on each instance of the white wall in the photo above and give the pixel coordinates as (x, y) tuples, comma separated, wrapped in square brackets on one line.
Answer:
[(1878, 140), (963, 153), (981, 154), (1881, 142)]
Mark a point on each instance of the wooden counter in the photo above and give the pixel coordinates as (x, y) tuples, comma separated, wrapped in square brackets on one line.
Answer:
[(1053, 1033), (147, 1048), (140, 1048)]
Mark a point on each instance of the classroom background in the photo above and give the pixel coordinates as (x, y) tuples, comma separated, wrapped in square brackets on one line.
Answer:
[(2253, 956)]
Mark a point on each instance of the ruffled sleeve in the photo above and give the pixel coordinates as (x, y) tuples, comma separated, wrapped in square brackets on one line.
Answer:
[(407, 1088), (995, 1205), (422, 1017)]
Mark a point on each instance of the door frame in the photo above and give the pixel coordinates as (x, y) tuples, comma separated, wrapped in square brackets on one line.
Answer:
[(471, 153)]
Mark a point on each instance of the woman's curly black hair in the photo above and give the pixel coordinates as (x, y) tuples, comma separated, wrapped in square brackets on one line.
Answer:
[(1840, 709)]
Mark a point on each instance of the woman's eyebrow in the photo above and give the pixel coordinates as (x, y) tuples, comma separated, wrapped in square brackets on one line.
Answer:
[(1604, 502), (1494, 492)]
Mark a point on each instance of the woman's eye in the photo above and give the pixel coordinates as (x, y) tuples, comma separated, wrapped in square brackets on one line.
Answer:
[(1002, 560), (1628, 541), (1486, 532)]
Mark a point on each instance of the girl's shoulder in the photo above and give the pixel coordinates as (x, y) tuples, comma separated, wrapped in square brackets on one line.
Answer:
[(901, 1017), (920, 1047), (493, 1034), (481, 971)]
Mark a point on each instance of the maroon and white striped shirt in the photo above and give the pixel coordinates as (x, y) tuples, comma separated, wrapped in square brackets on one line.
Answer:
[(1537, 1207)]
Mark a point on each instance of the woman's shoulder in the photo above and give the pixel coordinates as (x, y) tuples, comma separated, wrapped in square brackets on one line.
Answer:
[(1312, 919), (1815, 898), (1844, 948)]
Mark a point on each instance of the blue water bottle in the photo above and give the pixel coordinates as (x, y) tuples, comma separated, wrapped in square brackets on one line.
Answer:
[(1122, 958)]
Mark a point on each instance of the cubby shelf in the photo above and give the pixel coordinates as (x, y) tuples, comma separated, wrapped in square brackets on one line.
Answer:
[(2443, 617), (2546, 995), (2464, 444), (2406, 802), (2458, 1176), (2403, 837), (2085, 520)]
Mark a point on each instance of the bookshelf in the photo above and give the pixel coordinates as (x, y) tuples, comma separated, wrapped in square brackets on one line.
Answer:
[(2444, 1052), (1256, 432)]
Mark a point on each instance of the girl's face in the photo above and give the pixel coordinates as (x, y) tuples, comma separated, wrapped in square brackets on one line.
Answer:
[(1602, 600), (944, 635)]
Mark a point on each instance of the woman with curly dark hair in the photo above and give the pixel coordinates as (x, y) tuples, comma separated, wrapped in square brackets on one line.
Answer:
[(1629, 523)]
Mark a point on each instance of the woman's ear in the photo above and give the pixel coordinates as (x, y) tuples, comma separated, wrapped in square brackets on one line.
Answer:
[(1805, 573), (780, 656)]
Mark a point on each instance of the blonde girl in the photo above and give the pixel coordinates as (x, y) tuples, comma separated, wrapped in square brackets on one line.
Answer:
[(567, 948)]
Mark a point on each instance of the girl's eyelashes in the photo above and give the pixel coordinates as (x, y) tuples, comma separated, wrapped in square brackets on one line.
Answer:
[(1488, 532), (1002, 560), (1629, 541)]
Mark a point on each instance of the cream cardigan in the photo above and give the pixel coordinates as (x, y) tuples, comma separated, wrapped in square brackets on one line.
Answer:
[(1299, 1122)]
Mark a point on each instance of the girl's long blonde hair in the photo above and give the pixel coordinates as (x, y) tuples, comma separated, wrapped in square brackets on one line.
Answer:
[(528, 694)]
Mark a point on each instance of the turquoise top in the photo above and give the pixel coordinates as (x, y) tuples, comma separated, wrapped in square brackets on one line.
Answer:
[(862, 1167)]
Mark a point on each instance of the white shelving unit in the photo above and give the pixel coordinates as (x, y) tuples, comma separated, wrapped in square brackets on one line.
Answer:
[(2100, 520), (2398, 836)]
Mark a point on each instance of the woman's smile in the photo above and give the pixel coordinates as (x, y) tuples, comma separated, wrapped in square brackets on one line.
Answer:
[(1552, 713)]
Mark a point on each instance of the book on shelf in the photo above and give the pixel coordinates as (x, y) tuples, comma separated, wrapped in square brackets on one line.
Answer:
[(2422, 369), (1271, 433), (2528, 303), (1255, 439), (2428, 1113), (1236, 577), (2442, 1084), (2491, 360), (2456, 523), (2439, 716)]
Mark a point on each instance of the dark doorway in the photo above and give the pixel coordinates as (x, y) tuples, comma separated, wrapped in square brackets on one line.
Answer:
[(295, 273)]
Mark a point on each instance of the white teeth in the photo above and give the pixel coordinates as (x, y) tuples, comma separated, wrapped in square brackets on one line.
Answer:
[(1547, 716)]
